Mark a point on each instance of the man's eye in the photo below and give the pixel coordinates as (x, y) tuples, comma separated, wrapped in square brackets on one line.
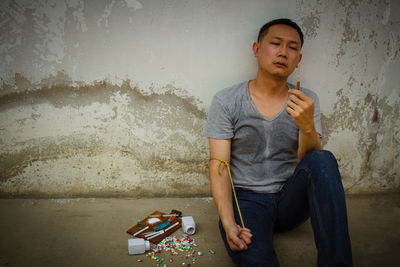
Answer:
[(294, 48), (274, 43)]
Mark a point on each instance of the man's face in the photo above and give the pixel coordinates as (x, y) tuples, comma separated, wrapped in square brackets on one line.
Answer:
[(278, 52)]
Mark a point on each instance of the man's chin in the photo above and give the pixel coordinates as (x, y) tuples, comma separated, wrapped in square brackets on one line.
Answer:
[(281, 74)]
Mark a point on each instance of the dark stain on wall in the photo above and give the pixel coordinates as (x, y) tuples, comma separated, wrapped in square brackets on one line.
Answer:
[(176, 145), (59, 91)]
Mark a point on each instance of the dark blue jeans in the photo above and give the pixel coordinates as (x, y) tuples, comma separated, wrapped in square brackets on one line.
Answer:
[(315, 190)]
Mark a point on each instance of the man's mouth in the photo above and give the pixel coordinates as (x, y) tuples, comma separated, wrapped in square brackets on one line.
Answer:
[(280, 64)]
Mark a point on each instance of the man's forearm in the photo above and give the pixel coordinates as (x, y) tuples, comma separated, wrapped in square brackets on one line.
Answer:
[(222, 194), (308, 141)]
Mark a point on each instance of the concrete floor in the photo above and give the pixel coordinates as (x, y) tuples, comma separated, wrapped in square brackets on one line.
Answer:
[(92, 232)]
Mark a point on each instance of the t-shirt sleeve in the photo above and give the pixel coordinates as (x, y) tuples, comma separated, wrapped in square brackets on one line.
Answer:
[(219, 122)]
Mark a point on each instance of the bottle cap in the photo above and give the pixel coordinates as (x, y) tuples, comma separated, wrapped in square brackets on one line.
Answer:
[(147, 245)]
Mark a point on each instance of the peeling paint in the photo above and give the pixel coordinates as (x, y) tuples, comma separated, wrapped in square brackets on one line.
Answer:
[(106, 14), (311, 24), (134, 4), (311, 17), (366, 119), (77, 7)]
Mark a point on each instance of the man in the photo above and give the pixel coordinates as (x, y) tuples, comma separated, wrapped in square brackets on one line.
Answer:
[(270, 134)]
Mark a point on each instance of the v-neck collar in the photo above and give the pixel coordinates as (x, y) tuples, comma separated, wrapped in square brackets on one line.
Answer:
[(259, 112)]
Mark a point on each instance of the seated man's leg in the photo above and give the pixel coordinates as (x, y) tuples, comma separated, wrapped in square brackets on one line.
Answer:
[(258, 211), (316, 189)]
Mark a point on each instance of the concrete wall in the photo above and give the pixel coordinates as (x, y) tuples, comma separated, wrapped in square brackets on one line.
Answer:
[(110, 97)]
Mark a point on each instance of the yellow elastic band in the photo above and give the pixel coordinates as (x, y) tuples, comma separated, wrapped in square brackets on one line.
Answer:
[(233, 188)]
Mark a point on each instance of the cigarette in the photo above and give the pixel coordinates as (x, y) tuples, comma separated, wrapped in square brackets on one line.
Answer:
[(138, 232), (298, 83)]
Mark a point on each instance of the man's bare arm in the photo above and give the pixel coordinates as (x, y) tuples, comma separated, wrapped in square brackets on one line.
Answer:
[(238, 238), (301, 108)]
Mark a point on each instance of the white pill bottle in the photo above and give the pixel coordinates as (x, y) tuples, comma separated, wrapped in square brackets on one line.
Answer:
[(137, 246), (188, 225)]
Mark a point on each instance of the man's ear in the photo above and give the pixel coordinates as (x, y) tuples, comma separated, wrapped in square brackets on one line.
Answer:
[(256, 46), (300, 57)]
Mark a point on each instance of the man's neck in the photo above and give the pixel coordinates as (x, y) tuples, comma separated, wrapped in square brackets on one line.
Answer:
[(269, 86)]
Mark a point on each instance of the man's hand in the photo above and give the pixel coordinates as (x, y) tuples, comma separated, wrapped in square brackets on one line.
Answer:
[(301, 108), (238, 238)]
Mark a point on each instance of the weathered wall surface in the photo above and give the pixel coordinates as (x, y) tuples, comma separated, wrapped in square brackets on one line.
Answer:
[(110, 97)]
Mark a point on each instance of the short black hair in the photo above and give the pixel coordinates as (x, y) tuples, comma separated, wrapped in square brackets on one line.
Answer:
[(264, 29)]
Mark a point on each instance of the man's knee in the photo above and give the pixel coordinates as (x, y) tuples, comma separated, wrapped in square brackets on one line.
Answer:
[(321, 158), (323, 168)]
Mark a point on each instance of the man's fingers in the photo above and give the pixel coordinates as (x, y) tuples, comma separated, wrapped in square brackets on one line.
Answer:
[(246, 235), (297, 101), (299, 96), (291, 105), (246, 231), (236, 244), (303, 103), (246, 238), (238, 238), (297, 93), (293, 109)]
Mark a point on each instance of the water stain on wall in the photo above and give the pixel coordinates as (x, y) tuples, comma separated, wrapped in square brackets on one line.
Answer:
[(152, 139)]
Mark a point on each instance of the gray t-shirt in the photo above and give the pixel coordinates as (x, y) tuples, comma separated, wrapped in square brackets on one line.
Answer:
[(263, 151)]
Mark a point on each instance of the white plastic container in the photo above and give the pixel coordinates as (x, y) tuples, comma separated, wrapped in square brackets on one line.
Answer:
[(137, 246), (188, 225)]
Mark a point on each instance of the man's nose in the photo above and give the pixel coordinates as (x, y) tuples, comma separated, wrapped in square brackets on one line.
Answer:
[(283, 51)]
